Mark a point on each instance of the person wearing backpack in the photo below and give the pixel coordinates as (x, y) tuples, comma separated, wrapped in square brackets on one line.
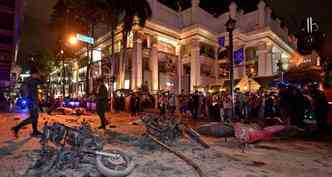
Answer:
[(30, 92)]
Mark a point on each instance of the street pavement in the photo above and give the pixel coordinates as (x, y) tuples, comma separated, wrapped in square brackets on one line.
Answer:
[(281, 158)]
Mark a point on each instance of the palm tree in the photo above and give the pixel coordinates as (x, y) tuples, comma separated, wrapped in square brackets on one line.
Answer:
[(132, 10)]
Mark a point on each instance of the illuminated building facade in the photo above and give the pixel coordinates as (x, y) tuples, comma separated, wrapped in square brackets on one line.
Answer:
[(187, 49), (10, 13)]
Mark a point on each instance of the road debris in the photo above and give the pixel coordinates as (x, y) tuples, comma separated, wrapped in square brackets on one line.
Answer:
[(77, 152)]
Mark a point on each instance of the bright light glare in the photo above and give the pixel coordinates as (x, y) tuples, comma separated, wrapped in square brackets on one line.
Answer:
[(72, 40)]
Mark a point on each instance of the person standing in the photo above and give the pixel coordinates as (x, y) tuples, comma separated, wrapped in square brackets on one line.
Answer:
[(30, 92), (320, 105), (172, 103), (102, 100), (227, 107), (195, 104), (261, 98), (162, 104), (182, 103), (134, 103), (239, 103)]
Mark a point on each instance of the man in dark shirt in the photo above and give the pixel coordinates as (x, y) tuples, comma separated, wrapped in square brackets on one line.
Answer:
[(102, 103), (31, 86)]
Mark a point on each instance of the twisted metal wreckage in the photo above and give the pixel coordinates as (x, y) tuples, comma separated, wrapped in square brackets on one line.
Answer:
[(75, 146), (164, 130)]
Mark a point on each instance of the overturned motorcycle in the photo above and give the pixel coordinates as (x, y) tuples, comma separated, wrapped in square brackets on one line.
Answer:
[(76, 146)]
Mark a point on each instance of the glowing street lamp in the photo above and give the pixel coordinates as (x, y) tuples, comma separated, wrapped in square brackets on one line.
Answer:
[(72, 40)]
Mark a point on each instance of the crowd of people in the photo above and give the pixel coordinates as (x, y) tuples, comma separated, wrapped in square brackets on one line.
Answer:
[(291, 105), (217, 106)]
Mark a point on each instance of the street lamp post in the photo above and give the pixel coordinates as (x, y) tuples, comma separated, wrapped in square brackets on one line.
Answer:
[(64, 73), (230, 26), (89, 41)]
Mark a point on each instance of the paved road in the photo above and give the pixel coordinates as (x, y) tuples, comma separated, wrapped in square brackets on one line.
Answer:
[(291, 158)]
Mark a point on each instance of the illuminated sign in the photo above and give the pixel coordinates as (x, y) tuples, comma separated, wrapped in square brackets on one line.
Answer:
[(221, 41), (311, 26), (238, 56), (85, 38), (96, 55)]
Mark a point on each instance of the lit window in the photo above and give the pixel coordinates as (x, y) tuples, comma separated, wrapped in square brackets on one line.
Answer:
[(126, 84), (117, 47), (96, 55), (130, 40)]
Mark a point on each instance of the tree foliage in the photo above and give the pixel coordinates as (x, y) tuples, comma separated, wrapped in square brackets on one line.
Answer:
[(42, 59), (85, 15)]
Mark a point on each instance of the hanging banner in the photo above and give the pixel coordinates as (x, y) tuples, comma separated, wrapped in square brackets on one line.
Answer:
[(238, 56), (221, 41)]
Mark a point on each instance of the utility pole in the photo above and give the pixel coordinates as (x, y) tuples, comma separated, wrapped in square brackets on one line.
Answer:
[(63, 73)]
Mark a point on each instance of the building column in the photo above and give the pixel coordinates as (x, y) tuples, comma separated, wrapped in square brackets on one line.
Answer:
[(195, 66), (262, 55), (154, 67), (268, 61), (136, 73), (121, 73), (100, 72), (216, 65), (133, 68), (179, 69), (139, 69)]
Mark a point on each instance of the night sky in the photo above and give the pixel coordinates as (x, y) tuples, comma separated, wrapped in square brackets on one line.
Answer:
[(292, 11)]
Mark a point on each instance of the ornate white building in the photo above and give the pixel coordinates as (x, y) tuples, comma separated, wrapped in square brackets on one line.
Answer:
[(185, 50)]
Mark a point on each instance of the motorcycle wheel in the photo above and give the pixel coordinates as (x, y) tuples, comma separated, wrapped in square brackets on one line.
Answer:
[(120, 166)]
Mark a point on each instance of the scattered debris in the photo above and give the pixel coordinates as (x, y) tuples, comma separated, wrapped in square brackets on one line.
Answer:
[(77, 152), (165, 129), (169, 129), (69, 111), (257, 163), (195, 136), (261, 146), (180, 155), (216, 129)]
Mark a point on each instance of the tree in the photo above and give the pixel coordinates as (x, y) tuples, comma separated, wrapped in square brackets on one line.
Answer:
[(135, 12), (112, 18), (85, 15), (42, 59), (78, 15)]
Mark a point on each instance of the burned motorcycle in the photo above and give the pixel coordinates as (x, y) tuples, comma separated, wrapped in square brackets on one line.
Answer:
[(74, 146)]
